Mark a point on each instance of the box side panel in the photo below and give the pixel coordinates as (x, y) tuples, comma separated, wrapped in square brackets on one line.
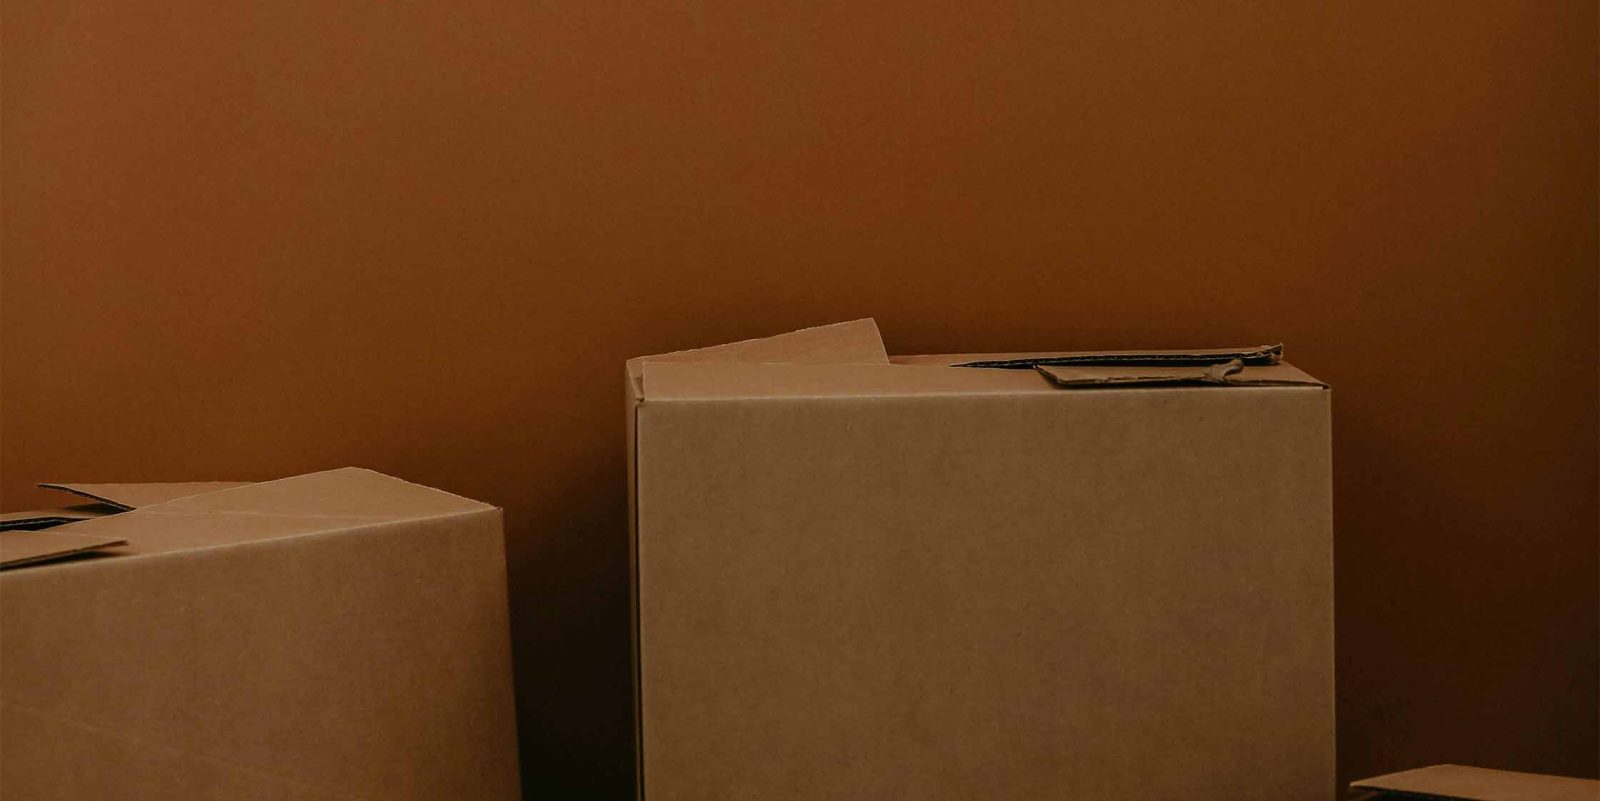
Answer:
[(632, 402), (1103, 595), (367, 664)]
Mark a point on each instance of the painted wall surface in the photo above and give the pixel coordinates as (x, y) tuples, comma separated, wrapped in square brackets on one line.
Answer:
[(245, 240)]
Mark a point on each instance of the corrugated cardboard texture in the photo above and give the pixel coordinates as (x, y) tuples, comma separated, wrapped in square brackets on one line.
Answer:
[(1480, 784), (248, 240), (329, 637), (926, 582)]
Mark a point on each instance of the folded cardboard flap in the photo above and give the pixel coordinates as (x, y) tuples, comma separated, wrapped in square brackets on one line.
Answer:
[(854, 342), (134, 496), (1254, 357), (848, 359), (1480, 784), (688, 381), (37, 519), (173, 517), (1231, 373), (25, 547), (331, 500), (28, 538)]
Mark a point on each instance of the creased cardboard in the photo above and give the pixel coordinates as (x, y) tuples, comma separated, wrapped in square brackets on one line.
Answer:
[(338, 635), (909, 579), (1479, 784), (134, 496), (41, 546)]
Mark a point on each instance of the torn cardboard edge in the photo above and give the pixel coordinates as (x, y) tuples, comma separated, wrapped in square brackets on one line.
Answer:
[(1463, 783)]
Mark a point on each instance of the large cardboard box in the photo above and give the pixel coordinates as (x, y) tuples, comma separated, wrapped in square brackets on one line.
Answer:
[(1043, 576), (340, 635)]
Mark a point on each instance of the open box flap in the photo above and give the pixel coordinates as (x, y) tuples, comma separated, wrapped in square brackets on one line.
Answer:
[(1253, 356), (25, 547), (332, 500), (695, 381), (855, 342), (684, 381), (1231, 373), (1481, 784), (134, 496), (35, 536), (49, 518)]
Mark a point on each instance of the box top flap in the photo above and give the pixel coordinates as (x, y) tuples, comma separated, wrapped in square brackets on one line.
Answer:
[(24, 547), (1231, 373), (332, 500), (1254, 357), (697, 381), (854, 342), (848, 360), (1481, 784), (134, 496), (47, 518), (685, 381)]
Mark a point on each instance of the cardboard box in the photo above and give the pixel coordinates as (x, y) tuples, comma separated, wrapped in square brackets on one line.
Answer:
[(1044, 576), (1476, 784), (338, 635)]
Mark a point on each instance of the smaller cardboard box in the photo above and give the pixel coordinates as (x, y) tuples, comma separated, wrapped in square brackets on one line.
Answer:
[(1445, 782), (337, 635)]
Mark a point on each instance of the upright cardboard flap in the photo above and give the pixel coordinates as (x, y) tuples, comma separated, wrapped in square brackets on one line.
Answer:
[(134, 496), (1480, 784), (855, 342)]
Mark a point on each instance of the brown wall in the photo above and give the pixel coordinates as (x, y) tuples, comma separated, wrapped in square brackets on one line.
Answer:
[(243, 240)]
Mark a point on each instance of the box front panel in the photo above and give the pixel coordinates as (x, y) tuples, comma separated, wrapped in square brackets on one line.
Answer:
[(1105, 594)]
